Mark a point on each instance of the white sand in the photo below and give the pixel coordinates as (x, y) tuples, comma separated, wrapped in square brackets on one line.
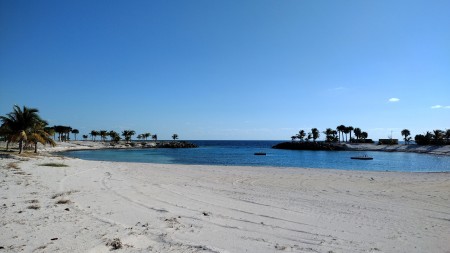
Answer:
[(178, 208)]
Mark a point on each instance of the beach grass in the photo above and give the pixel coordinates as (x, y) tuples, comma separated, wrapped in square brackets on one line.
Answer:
[(54, 165)]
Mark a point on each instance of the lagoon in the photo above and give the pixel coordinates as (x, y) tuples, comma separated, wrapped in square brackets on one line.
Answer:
[(241, 153)]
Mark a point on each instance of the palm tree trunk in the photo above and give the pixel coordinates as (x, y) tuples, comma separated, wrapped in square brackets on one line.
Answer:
[(35, 147), (7, 145)]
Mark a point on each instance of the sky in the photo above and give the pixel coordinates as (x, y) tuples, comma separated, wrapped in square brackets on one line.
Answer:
[(229, 70)]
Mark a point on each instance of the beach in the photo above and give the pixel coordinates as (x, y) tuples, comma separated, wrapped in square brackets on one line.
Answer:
[(94, 206)]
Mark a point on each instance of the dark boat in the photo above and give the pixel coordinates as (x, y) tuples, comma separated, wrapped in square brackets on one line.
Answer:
[(260, 153), (364, 157)]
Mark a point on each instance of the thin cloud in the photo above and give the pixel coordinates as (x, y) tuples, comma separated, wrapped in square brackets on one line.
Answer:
[(440, 107), (393, 100)]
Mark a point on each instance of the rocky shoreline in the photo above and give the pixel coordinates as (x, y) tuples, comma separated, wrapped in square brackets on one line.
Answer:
[(322, 146), (316, 146)]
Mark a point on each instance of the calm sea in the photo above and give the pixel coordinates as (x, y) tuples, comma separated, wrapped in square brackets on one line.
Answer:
[(242, 153)]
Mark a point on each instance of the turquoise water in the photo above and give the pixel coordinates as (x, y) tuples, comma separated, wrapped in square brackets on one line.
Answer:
[(242, 153)]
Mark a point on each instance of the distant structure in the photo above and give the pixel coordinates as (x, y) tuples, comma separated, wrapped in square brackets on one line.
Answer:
[(388, 142)]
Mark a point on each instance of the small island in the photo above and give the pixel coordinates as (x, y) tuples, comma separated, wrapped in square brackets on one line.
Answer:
[(432, 142)]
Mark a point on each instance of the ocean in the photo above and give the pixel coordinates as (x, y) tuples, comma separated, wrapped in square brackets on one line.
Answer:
[(241, 153)]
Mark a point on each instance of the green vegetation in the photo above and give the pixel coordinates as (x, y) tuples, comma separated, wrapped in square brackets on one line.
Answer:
[(75, 132), (435, 137), (127, 134), (406, 133), (26, 127), (63, 132)]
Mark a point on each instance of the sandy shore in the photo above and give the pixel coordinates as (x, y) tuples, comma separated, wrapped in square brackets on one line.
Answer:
[(90, 206)]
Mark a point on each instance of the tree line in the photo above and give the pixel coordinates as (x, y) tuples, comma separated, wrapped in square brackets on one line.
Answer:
[(333, 135), (25, 127), (435, 137), (342, 132)]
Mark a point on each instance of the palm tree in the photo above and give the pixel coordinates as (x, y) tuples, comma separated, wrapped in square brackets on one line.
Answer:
[(67, 130), (51, 131), (357, 132), (94, 134), (341, 129), (38, 135), (103, 134), (350, 129), (114, 136), (20, 122), (328, 135), (301, 135), (364, 135), (346, 131), (127, 134), (309, 137), (315, 134), (438, 136), (85, 136), (335, 139), (293, 137), (155, 137), (75, 132), (447, 136), (406, 133), (59, 130), (174, 137), (6, 133), (140, 136), (146, 135)]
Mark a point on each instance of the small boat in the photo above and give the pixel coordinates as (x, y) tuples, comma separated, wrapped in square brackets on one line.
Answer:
[(364, 157), (260, 153)]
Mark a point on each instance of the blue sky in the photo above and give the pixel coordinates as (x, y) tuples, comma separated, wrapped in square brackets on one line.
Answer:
[(229, 69)]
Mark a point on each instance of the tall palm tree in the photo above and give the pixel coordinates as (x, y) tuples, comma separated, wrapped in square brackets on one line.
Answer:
[(315, 134), (67, 130), (155, 137), (175, 136), (341, 129), (346, 131), (146, 135), (349, 130), (406, 133), (20, 122), (357, 132), (75, 132), (59, 130)]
